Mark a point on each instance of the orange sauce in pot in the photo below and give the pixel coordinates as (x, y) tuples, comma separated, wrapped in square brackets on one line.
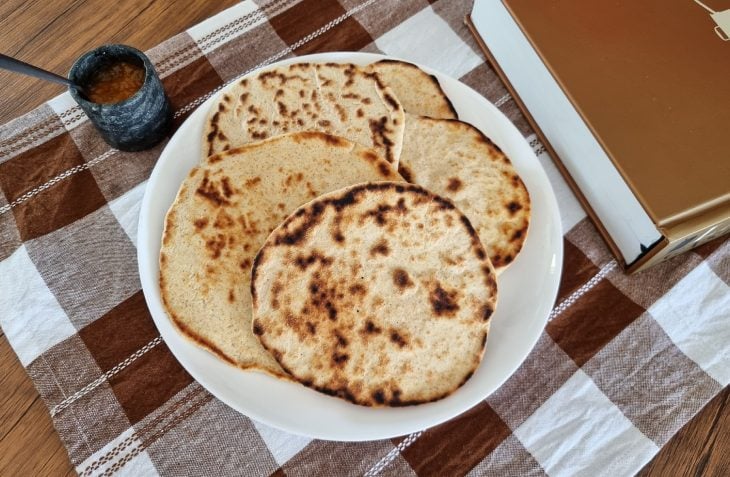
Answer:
[(115, 82)]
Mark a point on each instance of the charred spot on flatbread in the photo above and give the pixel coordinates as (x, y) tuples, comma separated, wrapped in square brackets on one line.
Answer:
[(374, 311)]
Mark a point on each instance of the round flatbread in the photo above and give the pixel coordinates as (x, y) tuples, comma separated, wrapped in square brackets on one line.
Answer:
[(419, 92), (380, 294), (454, 159), (338, 99), (223, 213)]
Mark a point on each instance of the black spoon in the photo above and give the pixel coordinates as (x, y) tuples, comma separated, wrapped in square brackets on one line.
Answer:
[(17, 66)]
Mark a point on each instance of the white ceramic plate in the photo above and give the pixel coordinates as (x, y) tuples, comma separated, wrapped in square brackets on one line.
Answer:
[(527, 291)]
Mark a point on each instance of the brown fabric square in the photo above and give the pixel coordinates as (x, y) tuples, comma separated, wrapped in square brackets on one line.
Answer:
[(59, 205), (190, 83), (398, 467), (121, 171), (385, 15), (544, 371), (90, 266), (90, 423), (647, 286), (140, 436), (37, 166), (346, 36), (707, 249), (229, 61), (62, 370), (91, 419), (719, 261), (585, 236), (486, 82), (180, 406), (456, 446), (9, 235), (514, 114), (211, 440), (336, 458), (119, 333), (149, 382), (577, 270), (593, 321)]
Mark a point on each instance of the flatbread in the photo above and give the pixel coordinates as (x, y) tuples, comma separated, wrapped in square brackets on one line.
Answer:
[(380, 294), (419, 92), (454, 159), (223, 213), (338, 99)]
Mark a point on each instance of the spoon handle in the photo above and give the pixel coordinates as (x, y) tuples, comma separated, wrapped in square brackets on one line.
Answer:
[(17, 66)]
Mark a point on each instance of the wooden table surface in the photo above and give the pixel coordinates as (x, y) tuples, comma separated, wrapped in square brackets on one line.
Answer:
[(51, 34)]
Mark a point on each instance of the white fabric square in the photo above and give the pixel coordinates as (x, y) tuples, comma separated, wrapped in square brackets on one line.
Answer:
[(140, 466), (61, 105), (571, 212), (282, 445), (695, 314), (202, 31), (579, 431), (124, 444), (427, 39), (126, 209), (30, 316)]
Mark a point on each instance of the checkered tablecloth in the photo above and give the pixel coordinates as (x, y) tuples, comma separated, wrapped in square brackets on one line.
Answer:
[(623, 363)]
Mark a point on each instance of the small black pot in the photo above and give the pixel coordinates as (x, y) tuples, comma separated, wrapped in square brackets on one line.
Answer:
[(136, 123)]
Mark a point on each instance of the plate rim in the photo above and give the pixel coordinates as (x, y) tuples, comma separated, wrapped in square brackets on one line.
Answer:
[(143, 254)]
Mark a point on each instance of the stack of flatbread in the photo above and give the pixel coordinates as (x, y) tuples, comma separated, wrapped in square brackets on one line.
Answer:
[(343, 230)]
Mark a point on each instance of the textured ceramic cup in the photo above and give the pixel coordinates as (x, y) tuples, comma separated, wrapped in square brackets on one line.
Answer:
[(136, 123)]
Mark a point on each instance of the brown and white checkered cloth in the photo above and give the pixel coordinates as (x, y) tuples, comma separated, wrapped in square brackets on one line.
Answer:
[(623, 364)]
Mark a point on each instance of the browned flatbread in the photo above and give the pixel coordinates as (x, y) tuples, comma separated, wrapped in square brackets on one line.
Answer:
[(419, 92), (454, 159), (338, 99), (380, 294), (223, 213)]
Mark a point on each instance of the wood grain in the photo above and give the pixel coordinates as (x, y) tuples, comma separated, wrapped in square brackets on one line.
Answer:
[(701, 448), (52, 34), (29, 445)]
